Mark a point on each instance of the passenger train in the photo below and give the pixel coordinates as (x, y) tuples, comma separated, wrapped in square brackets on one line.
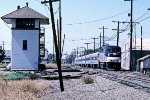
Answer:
[(109, 57)]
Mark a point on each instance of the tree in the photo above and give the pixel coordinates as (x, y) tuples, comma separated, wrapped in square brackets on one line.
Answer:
[(52, 58), (2, 55), (70, 58), (89, 51), (97, 50)]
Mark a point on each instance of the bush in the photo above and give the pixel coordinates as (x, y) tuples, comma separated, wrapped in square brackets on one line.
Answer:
[(51, 66), (23, 89), (87, 79)]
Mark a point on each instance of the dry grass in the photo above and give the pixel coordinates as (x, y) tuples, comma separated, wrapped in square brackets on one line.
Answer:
[(51, 66), (87, 79), (23, 89)]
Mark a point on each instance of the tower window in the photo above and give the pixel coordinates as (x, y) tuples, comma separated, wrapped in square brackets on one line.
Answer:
[(24, 44), (25, 23)]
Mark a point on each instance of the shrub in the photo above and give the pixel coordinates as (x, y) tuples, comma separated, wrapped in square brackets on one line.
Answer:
[(87, 79), (51, 66), (20, 89)]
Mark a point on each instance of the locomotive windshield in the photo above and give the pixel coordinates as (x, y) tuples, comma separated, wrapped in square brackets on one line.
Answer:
[(113, 51)]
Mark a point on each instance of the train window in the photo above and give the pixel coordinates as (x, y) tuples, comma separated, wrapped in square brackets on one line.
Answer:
[(109, 50)]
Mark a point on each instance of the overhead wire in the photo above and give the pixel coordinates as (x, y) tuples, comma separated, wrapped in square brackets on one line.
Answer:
[(115, 34), (45, 5), (37, 1), (127, 26), (144, 19), (142, 16), (87, 22), (56, 11), (46, 10)]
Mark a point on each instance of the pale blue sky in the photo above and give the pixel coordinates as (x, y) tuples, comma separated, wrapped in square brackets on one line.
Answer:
[(81, 11)]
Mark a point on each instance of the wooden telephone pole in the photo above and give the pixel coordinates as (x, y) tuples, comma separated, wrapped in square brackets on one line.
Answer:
[(87, 44), (57, 48), (118, 31), (100, 40), (103, 34), (94, 43), (141, 42)]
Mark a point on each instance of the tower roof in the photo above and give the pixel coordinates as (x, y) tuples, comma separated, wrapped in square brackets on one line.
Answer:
[(23, 13)]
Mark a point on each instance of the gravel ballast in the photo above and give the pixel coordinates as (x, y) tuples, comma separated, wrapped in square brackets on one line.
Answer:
[(101, 89)]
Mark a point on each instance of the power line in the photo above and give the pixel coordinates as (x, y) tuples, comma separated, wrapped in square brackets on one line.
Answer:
[(77, 39), (142, 16), (46, 10), (45, 5), (56, 11), (88, 22), (38, 1), (144, 19)]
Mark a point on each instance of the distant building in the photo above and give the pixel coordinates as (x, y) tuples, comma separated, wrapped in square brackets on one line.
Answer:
[(63, 59), (45, 59), (28, 38), (136, 52)]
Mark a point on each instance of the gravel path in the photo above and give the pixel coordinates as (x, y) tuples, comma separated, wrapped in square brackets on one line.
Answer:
[(101, 89)]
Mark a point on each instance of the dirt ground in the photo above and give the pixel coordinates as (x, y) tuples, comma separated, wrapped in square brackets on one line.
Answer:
[(75, 89)]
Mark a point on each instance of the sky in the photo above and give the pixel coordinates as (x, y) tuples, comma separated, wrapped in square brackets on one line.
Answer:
[(81, 20)]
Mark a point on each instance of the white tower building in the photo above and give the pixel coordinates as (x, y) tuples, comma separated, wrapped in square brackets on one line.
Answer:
[(28, 38)]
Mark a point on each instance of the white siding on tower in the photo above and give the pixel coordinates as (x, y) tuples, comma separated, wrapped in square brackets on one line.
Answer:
[(25, 59)]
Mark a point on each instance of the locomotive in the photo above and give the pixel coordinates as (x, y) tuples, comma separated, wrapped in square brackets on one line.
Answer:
[(108, 57)]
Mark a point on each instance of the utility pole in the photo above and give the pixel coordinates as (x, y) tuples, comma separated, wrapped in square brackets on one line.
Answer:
[(58, 35), (87, 45), (3, 45), (63, 43), (60, 25), (94, 43), (141, 41), (103, 34), (77, 52), (58, 58), (131, 31), (135, 35), (131, 35), (53, 51), (118, 31), (118, 35), (100, 40)]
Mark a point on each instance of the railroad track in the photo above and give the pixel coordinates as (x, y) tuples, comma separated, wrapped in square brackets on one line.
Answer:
[(137, 81)]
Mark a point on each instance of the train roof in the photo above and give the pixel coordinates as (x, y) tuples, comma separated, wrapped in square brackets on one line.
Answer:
[(112, 46)]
